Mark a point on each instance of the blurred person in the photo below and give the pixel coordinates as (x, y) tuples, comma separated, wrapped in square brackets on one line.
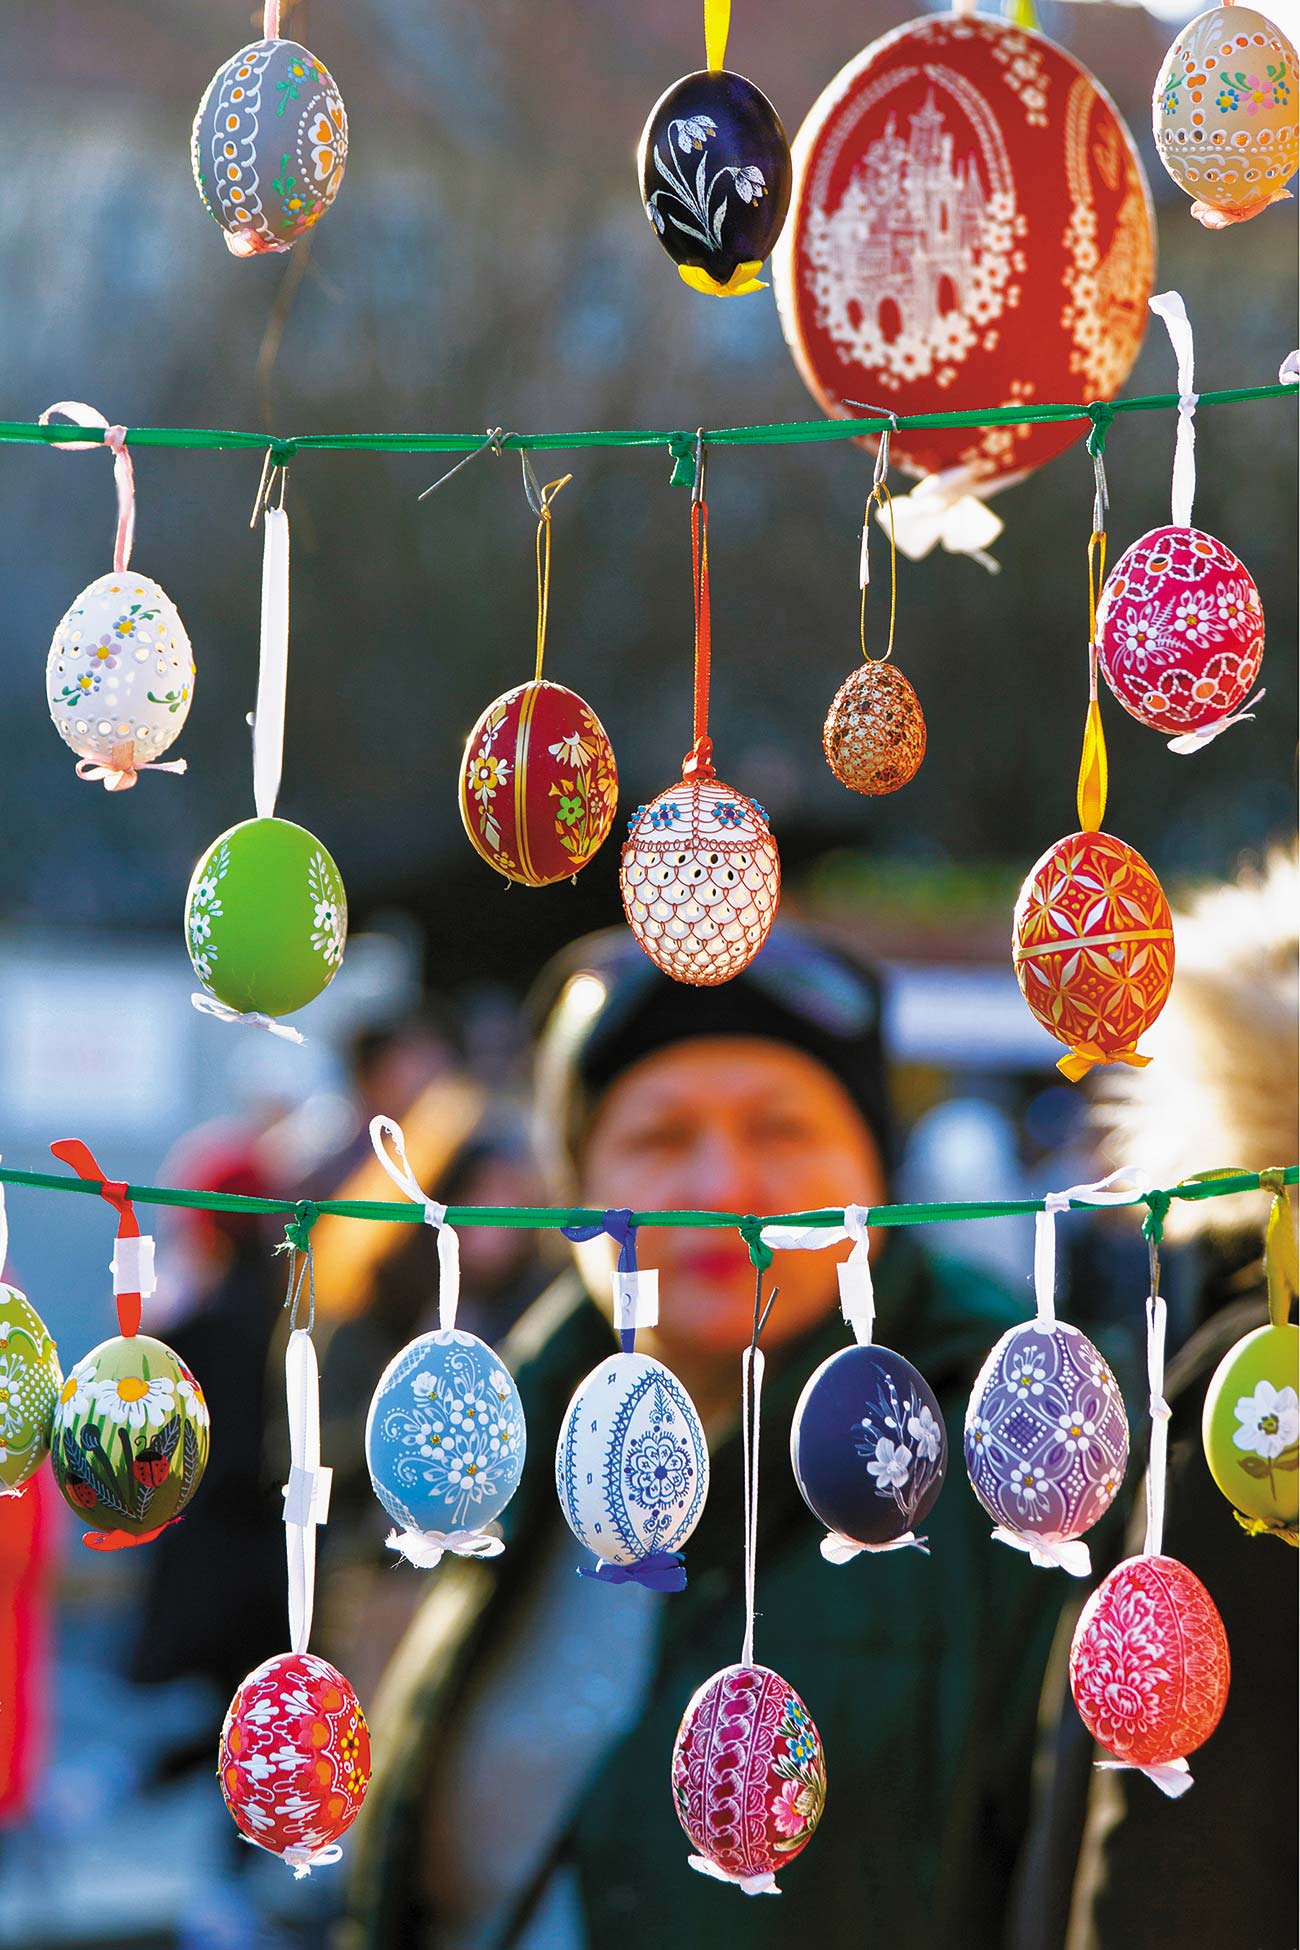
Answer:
[(1110, 1863), (525, 1727)]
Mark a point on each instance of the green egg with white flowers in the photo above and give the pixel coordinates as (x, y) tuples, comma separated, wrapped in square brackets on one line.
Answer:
[(1251, 1427), (30, 1380)]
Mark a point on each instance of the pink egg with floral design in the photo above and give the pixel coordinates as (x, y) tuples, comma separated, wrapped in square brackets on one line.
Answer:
[(295, 1758), (1149, 1664)]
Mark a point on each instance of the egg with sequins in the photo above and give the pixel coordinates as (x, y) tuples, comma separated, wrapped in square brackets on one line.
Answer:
[(445, 1437), (631, 1463), (130, 1441), (868, 1445), (1149, 1664), (1251, 1427), (714, 164), (538, 784), (749, 1776), (1224, 115), (266, 917), (119, 678), (269, 146), (30, 1381), (701, 879), (294, 1758)]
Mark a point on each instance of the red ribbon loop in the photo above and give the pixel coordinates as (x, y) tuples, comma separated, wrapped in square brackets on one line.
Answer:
[(114, 1191)]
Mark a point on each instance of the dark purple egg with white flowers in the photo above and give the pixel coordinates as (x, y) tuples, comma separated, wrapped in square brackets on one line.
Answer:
[(715, 179), (868, 1445)]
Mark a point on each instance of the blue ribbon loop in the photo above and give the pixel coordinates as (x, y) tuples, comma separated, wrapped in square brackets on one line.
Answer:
[(618, 1224), (660, 1571)]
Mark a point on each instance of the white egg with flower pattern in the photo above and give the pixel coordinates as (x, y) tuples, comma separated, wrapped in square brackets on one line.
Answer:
[(119, 678), (631, 1463)]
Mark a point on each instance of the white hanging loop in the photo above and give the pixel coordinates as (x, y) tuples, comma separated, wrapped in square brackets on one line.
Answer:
[(208, 1005), (1192, 741), (435, 1215), (1098, 1193), (751, 1383), (1169, 306), (1288, 373), (123, 469), (272, 666), (1160, 1413), (759, 1885), (4, 1231), (306, 1494), (857, 1294)]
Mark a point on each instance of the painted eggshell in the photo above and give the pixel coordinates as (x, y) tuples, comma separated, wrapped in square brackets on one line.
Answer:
[(701, 879), (1046, 1435), (130, 1435), (538, 784), (1251, 1427), (1224, 114), (445, 1434), (295, 1756), (868, 1445), (1180, 630), (1093, 945), (30, 1380), (970, 222), (268, 147), (119, 678), (1149, 1663), (631, 1463), (874, 734), (266, 917), (749, 1776), (715, 179)]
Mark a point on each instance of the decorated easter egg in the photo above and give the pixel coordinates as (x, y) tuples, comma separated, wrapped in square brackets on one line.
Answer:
[(130, 1436), (119, 678), (868, 1445), (970, 222), (631, 1463), (1046, 1435), (1180, 630), (1251, 1427), (538, 784), (715, 179), (30, 1380), (874, 735), (294, 1759), (445, 1435), (1093, 946), (269, 144), (266, 917), (1149, 1663), (1224, 114), (749, 1776), (700, 879)]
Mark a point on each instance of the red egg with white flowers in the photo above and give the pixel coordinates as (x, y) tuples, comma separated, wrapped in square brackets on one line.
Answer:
[(749, 1776), (295, 1758), (1149, 1664)]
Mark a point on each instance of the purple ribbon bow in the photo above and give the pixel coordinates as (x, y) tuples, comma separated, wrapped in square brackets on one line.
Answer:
[(660, 1571), (618, 1224)]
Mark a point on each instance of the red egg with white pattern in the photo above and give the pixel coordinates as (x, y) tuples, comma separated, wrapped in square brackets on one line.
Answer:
[(749, 1775), (295, 1758), (1149, 1665)]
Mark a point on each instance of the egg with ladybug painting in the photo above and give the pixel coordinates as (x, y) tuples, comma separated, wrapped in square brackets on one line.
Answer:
[(868, 1445), (538, 784), (30, 1381), (269, 146), (701, 880), (715, 179), (1149, 1665), (130, 1439), (294, 1759), (747, 1726)]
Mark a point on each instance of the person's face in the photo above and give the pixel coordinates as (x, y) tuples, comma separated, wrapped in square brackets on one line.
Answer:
[(729, 1124)]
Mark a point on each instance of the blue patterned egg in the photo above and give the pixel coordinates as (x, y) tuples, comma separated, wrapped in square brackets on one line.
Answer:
[(445, 1434), (631, 1464), (1046, 1435), (30, 1380), (269, 145), (868, 1445)]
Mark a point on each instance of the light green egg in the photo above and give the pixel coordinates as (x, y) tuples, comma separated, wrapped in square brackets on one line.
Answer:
[(1251, 1425), (130, 1435), (30, 1380), (266, 918)]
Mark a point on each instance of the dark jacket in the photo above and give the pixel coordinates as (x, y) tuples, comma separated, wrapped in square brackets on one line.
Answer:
[(921, 1673)]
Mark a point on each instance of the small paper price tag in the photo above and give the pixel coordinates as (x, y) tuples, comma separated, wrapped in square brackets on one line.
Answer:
[(857, 1296), (132, 1266), (307, 1495), (636, 1300)]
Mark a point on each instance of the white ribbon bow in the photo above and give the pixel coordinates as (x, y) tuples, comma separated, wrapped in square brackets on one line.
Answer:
[(1049, 1553), (1169, 306), (306, 1494), (1288, 372), (838, 1549), (208, 1005), (760, 1885), (302, 1859), (115, 781), (425, 1548), (942, 510), (1172, 1777), (1188, 742), (435, 1215)]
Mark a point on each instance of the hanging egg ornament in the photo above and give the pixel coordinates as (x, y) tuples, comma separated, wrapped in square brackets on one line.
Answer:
[(969, 222), (269, 145), (130, 1441), (868, 1445), (714, 164), (1093, 946), (1046, 1436), (749, 1776), (1251, 1428), (701, 880), (294, 1760), (1180, 631), (874, 735), (538, 784), (1224, 115), (30, 1381), (631, 1463), (1149, 1662), (445, 1436), (266, 917), (119, 678)]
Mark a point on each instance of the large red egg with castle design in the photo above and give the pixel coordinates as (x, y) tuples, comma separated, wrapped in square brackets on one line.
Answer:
[(295, 1756), (1149, 1664), (749, 1777), (538, 784), (970, 227), (1093, 946)]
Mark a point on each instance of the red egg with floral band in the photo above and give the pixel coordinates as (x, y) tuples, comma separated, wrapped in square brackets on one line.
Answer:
[(1149, 1665), (538, 784), (295, 1759)]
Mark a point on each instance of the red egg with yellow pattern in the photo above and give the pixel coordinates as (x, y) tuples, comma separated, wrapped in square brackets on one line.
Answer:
[(538, 784), (1149, 1665), (295, 1758)]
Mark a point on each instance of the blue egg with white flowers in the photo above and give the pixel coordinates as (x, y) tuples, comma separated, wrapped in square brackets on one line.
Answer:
[(445, 1435), (868, 1445)]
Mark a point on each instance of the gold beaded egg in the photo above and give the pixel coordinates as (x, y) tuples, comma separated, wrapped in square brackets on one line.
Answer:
[(874, 735)]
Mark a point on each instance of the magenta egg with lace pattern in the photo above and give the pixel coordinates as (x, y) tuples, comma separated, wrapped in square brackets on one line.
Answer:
[(1149, 1665)]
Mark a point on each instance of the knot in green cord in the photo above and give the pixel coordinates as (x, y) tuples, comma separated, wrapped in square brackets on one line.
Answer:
[(1274, 1180), (682, 448), (1153, 1226), (760, 1254), (1101, 413), (282, 452), (298, 1230)]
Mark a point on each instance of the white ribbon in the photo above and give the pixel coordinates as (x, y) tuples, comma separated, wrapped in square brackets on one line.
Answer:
[(1160, 1413), (941, 509), (1049, 1553), (4, 1229), (302, 1860), (760, 1885), (1192, 741), (208, 1005), (1288, 372), (114, 781), (132, 1266), (306, 1494), (1045, 1232), (1169, 306), (123, 470), (751, 1372), (1172, 1777), (272, 665), (435, 1215), (857, 1295), (838, 1549), (425, 1548)]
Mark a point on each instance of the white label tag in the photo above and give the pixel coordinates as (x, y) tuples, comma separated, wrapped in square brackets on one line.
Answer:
[(132, 1265), (857, 1296), (636, 1300), (307, 1495)]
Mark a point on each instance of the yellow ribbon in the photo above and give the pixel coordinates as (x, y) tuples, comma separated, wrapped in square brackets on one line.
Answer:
[(1093, 771), (744, 278), (880, 497), (717, 25), (1281, 1261), (1088, 1056), (1261, 1527)]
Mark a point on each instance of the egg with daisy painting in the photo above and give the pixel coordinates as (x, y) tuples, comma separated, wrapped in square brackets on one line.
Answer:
[(30, 1380), (130, 1440)]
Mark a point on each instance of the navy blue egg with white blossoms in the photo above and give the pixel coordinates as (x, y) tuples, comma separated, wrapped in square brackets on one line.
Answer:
[(868, 1445), (1046, 1435), (715, 178), (445, 1434), (631, 1464)]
